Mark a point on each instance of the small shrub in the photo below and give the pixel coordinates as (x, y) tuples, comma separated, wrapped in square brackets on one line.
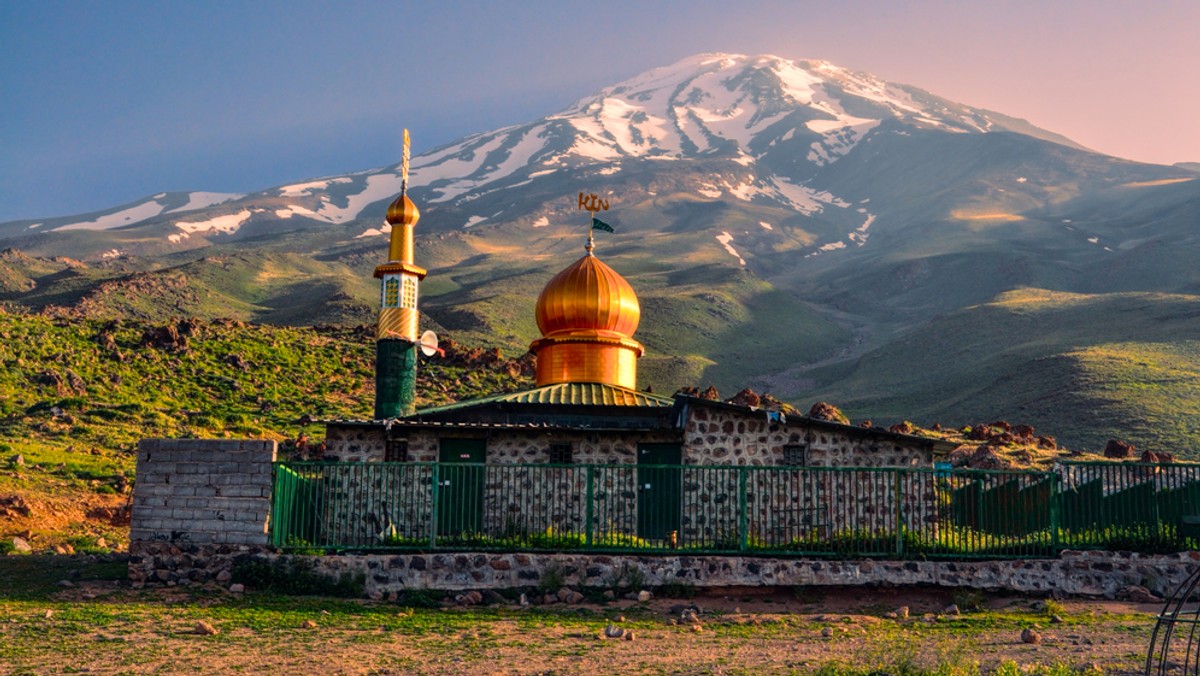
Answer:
[(598, 595), (628, 577), (299, 546), (969, 600), (552, 579), (637, 579), (1055, 608), (88, 544), (421, 598), (295, 577)]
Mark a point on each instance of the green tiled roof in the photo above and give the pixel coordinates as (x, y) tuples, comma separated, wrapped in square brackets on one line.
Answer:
[(576, 394)]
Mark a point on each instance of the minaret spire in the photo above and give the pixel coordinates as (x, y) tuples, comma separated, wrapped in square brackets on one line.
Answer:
[(396, 332)]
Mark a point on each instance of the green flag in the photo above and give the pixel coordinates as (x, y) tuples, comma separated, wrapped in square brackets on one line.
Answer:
[(598, 224)]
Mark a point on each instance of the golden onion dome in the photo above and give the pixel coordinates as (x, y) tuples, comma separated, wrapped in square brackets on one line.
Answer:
[(403, 212), (588, 296)]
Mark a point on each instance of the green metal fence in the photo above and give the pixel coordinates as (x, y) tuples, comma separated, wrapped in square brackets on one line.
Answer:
[(836, 512)]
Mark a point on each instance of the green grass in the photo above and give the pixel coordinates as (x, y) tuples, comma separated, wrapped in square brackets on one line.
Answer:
[(71, 386), (1082, 368), (125, 629)]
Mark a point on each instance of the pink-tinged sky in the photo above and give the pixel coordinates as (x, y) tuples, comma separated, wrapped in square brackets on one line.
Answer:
[(103, 103)]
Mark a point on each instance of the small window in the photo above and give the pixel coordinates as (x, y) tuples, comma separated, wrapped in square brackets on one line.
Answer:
[(794, 456), (560, 454), (395, 450), (391, 292), (410, 293)]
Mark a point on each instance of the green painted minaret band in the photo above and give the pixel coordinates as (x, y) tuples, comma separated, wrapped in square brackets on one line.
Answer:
[(395, 378)]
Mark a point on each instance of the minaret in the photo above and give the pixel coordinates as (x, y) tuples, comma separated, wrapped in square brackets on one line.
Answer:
[(396, 335)]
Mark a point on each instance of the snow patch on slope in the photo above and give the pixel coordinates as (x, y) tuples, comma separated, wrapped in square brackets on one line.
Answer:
[(385, 229), (302, 189), (128, 216), (227, 224), (294, 210), (201, 200), (803, 198), (726, 241), (379, 187)]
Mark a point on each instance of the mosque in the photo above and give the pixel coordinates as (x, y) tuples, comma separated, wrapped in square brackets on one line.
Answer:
[(585, 408)]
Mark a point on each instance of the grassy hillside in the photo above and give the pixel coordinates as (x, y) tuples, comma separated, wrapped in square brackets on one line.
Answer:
[(1087, 367), (77, 395)]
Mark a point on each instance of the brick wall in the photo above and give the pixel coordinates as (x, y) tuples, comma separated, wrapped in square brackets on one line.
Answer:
[(202, 491)]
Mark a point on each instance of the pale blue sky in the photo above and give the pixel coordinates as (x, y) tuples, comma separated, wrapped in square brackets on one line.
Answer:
[(105, 102)]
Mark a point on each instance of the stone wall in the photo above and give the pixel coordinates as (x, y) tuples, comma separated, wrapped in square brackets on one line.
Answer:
[(719, 436), (202, 491), (1074, 573), (356, 443)]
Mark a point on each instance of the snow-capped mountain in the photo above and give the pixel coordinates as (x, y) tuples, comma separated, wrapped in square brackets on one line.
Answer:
[(789, 225), (782, 120)]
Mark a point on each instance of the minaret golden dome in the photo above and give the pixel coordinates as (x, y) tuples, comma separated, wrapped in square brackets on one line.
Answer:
[(587, 315)]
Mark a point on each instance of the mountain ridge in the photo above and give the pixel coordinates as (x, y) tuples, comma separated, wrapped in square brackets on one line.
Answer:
[(780, 219)]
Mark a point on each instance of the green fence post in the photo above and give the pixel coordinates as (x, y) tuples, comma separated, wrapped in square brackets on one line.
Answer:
[(1055, 510), (743, 517), (1158, 522), (898, 498), (273, 520), (433, 507), (591, 513)]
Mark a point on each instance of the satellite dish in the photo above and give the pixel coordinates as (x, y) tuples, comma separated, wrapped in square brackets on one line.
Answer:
[(428, 343)]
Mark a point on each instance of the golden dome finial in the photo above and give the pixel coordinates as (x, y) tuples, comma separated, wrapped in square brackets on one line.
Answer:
[(403, 211)]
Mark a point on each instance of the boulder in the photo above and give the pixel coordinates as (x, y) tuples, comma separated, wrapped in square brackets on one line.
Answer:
[(204, 629), (985, 457), (1138, 594), (746, 397), (1156, 458), (825, 411), (1115, 448)]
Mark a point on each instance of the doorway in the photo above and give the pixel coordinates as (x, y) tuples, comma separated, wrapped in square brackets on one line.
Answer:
[(659, 491), (460, 488)]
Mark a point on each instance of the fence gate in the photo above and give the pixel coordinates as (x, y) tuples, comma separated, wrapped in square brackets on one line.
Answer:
[(460, 486), (658, 490)]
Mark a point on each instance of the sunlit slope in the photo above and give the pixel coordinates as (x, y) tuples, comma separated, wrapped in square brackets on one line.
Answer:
[(1087, 367)]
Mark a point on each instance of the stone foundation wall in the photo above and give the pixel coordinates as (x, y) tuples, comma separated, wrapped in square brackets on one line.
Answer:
[(1074, 573), (202, 491)]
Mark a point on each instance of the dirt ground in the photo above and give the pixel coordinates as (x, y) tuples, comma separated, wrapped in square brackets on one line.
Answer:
[(105, 627)]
